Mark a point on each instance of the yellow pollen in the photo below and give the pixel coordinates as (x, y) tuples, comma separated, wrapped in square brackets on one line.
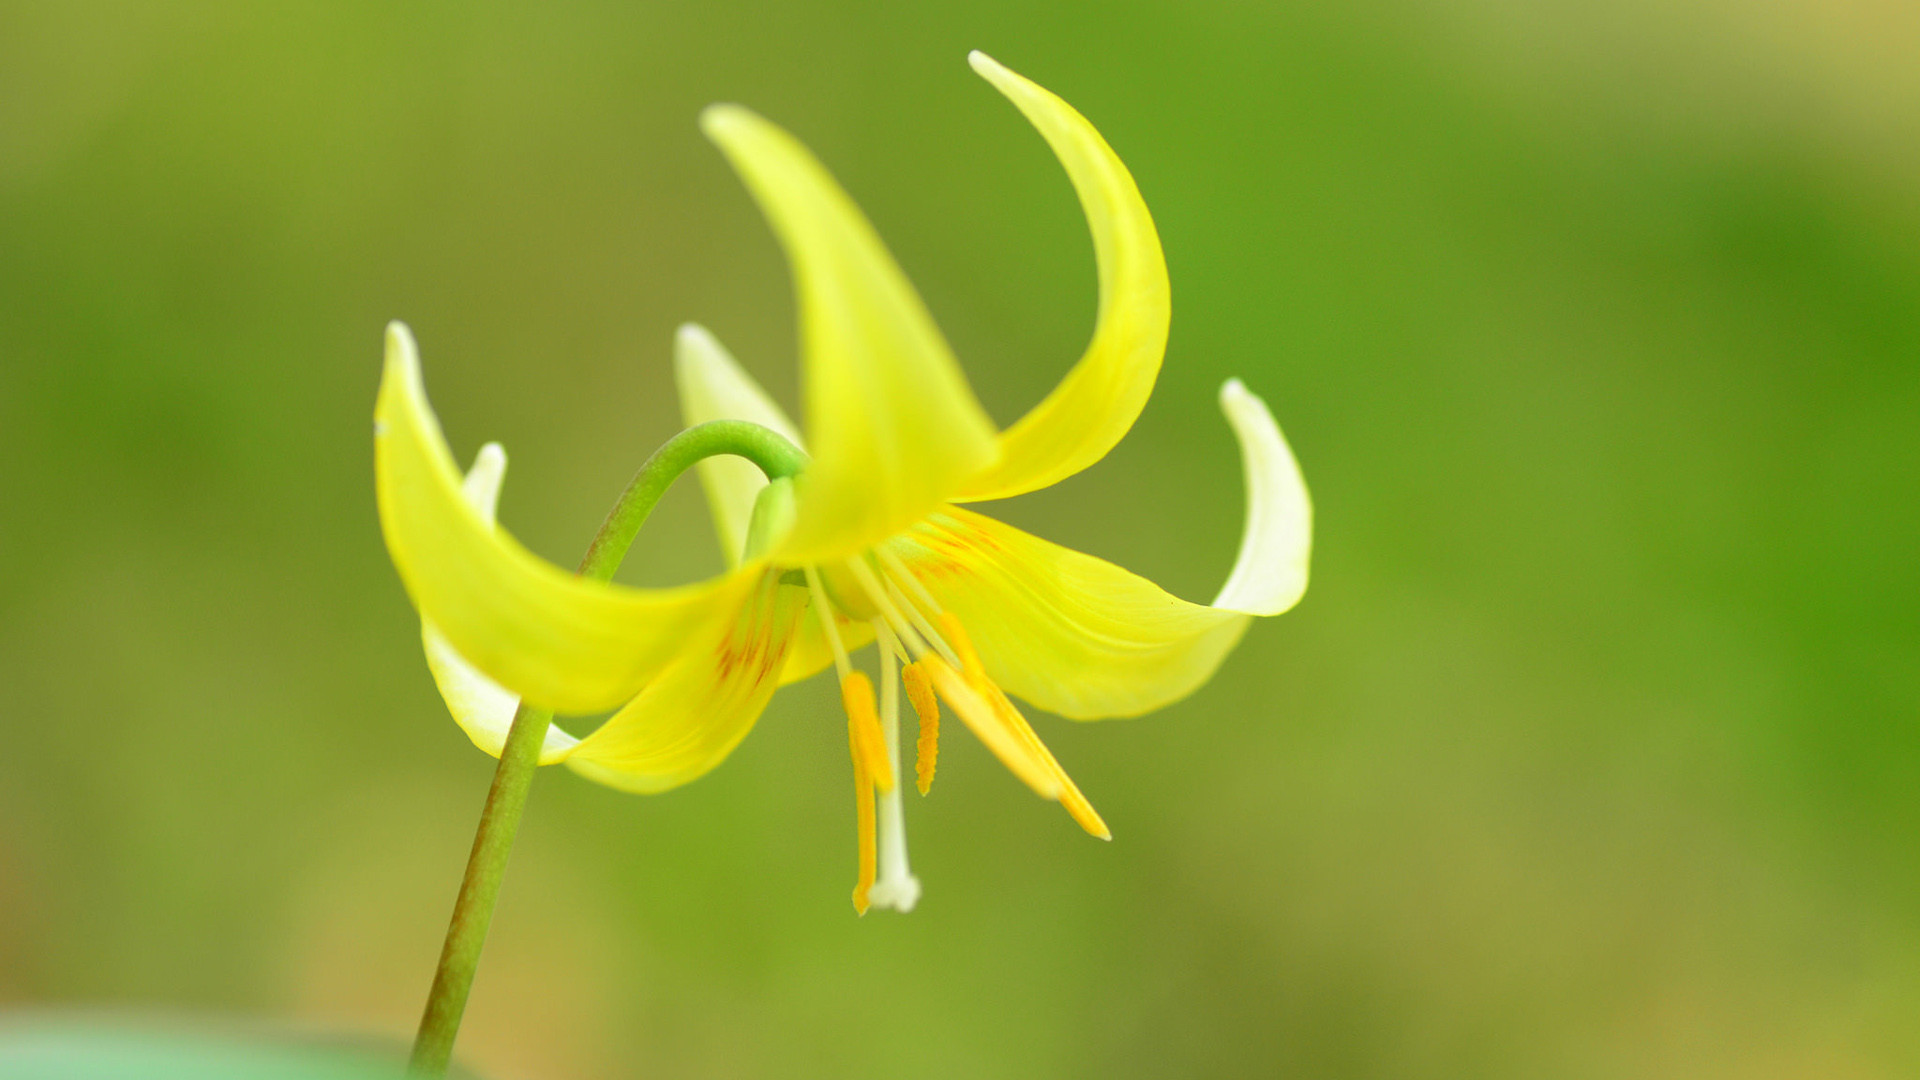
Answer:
[(1016, 725), (863, 726), (978, 713), (927, 707)]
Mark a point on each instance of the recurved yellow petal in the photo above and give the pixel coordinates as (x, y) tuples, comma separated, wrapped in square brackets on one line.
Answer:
[(483, 708), (1068, 632), (559, 641), (893, 427), (1098, 401), (713, 386), (691, 717)]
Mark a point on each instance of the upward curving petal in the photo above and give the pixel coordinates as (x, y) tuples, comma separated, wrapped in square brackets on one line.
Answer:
[(691, 717), (1083, 638), (1094, 406), (894, 427), (713, 386), (558, 640)]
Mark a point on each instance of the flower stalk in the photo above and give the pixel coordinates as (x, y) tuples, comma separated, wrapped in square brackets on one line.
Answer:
[(520, 757)]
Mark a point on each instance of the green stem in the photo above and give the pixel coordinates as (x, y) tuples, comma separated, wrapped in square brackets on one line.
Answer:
[(775, 455), (473, 911), (520, 757)]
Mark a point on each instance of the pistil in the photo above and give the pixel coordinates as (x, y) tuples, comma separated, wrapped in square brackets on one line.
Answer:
[(909, 626), (897, 887)]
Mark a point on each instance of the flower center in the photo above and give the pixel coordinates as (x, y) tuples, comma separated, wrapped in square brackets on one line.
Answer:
[(940, 663)]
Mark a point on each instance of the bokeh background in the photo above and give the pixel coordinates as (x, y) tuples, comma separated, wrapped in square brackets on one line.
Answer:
[(1591, 753)]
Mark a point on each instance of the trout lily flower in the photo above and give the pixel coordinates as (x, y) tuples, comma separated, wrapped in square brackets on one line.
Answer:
[(868, 542)]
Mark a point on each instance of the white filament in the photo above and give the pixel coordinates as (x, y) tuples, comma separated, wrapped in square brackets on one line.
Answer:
[(896, 887), (824, 610)]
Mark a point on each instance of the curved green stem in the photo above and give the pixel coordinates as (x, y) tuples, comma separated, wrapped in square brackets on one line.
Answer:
[(776, 457), (520, 757)]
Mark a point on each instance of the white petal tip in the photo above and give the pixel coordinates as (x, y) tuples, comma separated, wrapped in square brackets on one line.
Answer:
[(695, 346), (402, 371), (491, 457), (482, 485), (400, 345), (693, 335), (718, 119), (992, 70), (1271, 573)]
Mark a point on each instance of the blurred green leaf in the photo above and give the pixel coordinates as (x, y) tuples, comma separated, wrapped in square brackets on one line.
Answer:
[(57, 1049)]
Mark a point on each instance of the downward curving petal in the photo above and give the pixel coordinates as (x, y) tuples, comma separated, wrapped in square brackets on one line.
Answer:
[(714, 387), (1083, 638), (691, 717), (562, 642), (1094, 406), (1068, 632), (895, 429), (483, 708)]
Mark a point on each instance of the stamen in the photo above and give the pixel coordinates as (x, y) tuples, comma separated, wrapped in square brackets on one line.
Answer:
[(870, 584), (897, 568), (863, 817), (927, 707), (897, 887), (984, 721), (921, 622), (892, 602), (824, 609), (962, 645), (1009, 716), (865, 742), (856, 694)]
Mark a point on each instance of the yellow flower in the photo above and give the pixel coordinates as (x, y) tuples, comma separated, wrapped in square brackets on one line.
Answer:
[(867, 543)]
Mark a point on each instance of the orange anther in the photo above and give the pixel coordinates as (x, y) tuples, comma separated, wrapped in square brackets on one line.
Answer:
[(863, 726), (1015, 729), (971, 706), (927, 707)]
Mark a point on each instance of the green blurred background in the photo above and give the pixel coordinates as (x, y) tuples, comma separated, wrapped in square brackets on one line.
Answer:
[(1591, 753)]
